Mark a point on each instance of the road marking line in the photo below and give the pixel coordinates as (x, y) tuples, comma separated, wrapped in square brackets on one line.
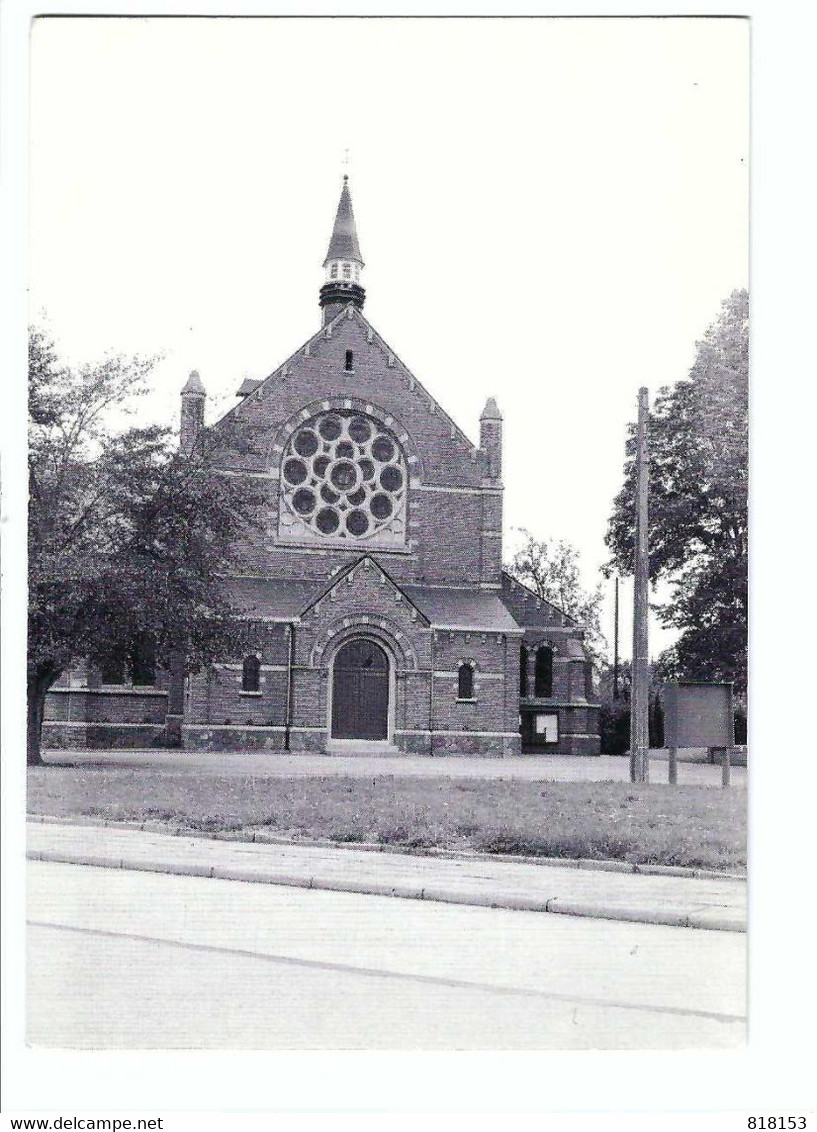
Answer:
[(378, 972)]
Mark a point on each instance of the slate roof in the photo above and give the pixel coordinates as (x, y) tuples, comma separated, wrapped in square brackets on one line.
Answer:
[(462, 609), (529, 610), (280, 599), (343, 244), (285, 599)]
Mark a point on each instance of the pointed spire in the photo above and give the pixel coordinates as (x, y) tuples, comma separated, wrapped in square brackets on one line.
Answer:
[(344, 244), (343, 263), (194, 384), (491, 411)]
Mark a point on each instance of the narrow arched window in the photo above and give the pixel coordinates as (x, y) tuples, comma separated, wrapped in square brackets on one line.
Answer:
[(465, 682), (523, 671), (350, 359), (333, 271), (543, 673), (251, 674)]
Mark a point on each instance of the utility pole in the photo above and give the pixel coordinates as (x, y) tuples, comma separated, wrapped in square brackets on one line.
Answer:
[(639, 698), (615, 644)]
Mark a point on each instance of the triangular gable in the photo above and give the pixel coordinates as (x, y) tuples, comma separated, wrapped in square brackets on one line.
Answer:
[(261, 389), (360, 564)]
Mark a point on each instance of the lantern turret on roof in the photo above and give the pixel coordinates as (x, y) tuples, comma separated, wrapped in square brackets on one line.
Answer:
[(343, 262)]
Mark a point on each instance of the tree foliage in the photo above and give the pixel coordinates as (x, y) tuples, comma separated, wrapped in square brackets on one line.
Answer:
[(698, 477), (125, 537), (551, 569)]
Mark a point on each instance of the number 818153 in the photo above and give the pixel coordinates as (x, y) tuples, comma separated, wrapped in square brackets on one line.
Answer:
[(775, 1123)]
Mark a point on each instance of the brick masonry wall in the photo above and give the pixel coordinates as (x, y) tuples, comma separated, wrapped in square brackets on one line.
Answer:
[(454, 536), (544, 624), (364, 600), (214, 696), (81, 705), (440, 456)]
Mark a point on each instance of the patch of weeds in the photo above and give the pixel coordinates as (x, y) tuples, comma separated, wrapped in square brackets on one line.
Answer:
[(157, 814), (349, 836), (215, 824)]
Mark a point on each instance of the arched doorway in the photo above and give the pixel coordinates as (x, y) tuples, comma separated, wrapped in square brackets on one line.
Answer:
[(360, 691)]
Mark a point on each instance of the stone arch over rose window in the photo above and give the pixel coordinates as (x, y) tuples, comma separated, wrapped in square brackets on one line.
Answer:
[(344, 479)]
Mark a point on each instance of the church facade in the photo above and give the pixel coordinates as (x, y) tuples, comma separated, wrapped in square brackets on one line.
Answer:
[(374, 611)]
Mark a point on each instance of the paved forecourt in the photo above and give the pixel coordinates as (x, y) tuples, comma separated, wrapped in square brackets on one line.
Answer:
[(556, 768)]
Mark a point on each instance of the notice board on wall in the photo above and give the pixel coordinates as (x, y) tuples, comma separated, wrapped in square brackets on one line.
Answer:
[(698, 714)]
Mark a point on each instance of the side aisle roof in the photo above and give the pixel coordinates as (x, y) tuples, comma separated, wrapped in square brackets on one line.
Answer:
[(441, 607), (531, 611)]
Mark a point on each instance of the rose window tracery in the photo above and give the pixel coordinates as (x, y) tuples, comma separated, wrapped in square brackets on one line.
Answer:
[(343, 476)]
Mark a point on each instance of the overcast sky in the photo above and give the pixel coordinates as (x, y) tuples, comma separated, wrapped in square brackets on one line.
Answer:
[(550, 211)]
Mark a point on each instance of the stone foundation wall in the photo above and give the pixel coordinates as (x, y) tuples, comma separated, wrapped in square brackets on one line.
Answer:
[(102, 736)]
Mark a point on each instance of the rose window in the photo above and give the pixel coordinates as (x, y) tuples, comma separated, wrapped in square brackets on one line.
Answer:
[(343, 476)]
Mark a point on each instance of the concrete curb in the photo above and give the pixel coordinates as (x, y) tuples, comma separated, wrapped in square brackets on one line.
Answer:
[(712, 921), (589, 863)]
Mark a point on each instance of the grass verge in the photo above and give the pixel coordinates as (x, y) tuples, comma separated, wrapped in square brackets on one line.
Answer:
[(692, 826)]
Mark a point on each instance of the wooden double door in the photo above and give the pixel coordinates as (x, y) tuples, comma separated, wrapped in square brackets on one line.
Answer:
[(360, 691)]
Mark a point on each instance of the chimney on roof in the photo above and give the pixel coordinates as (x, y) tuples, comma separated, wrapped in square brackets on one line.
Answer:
[(343, 263)]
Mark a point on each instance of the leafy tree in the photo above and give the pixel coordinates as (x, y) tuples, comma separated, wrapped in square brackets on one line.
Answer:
[(551, 569), (614, 717), (125, 537), (698, 476)]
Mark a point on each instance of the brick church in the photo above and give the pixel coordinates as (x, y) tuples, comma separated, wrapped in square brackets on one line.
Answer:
[(375, 613)]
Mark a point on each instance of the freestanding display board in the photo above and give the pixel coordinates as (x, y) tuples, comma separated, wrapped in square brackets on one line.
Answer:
[(698, 714)]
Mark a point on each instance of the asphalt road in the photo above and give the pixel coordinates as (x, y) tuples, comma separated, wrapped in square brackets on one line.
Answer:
[(135, 960)]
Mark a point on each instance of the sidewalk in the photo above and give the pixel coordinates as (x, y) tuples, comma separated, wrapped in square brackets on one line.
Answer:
[(693, 902)]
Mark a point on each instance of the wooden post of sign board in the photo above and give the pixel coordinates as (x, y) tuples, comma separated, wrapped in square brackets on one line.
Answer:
[(726, 767), (673, 766)]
